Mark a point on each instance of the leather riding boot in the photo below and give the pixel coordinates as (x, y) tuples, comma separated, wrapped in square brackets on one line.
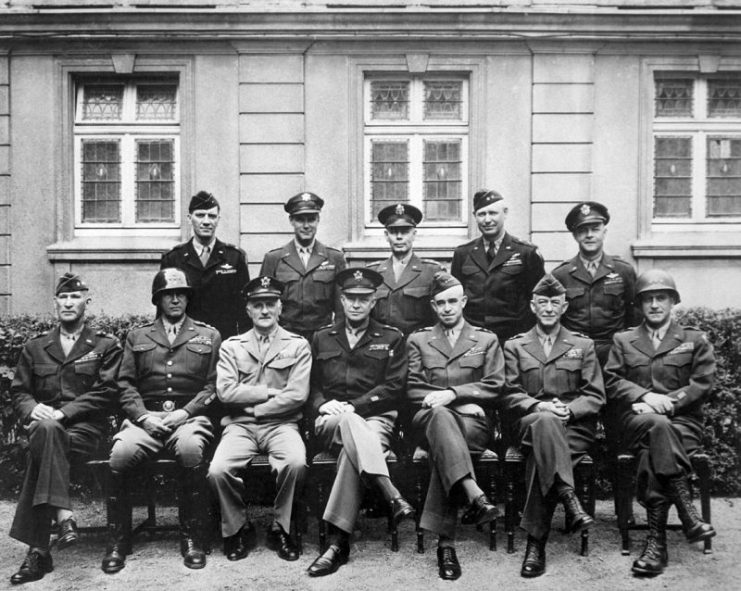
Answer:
[(654, 558), (193, 507), (576, 517), (119, 524), (694, 527)]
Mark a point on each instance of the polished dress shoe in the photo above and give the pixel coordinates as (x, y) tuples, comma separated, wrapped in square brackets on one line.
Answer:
[(448, 566), (534, 563), (192, 551), (67, 533), (35, 565), (114, 559), (332, 559), (479, 511), (280, 542), (238, 546), (400, 509), (577, 518)]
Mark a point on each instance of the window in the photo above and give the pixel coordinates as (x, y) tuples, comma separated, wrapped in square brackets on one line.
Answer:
[(697, 148), (126, 135), (416, 139)]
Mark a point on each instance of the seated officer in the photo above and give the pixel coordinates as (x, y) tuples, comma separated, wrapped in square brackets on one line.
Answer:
[(64, 386), (356, 382), (403, 299), (456, 371), (167, 382), (657, 375), (263, 381), (556, 422)]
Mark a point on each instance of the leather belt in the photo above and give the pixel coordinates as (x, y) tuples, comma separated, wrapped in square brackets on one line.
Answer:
[(165, 405)]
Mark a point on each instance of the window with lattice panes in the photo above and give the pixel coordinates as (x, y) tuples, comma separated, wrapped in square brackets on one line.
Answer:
[(127, 152), (416, 138), (697, 148)]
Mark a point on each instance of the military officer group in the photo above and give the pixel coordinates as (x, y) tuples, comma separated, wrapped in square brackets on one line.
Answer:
[(231, 367)]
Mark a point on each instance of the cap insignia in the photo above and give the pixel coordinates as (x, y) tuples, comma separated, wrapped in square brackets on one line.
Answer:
[(399, 209), (585, 210), (265, 282), (305, 197), (358, 275)]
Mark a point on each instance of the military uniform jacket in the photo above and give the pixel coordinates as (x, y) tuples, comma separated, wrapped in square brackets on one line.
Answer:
[(81, 385), (406, 304), (217, 287), (499, 292), (683, 368), (371, 376), (602, 305), (154, 371), (473, 369), (275, 385), (570, 373), (310, 295)]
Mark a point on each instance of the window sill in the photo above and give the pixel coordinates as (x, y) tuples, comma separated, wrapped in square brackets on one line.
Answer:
[(688, 245), (110, 249)]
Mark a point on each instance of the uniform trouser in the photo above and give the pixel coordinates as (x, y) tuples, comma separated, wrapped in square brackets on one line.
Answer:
[(449, 437), (240, 443), (552, 448), (132, 445), (662, 446), (46, 481), (361, 445), (602, 350)]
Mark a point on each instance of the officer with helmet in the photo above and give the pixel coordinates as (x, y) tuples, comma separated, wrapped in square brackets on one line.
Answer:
[(167, 382), (657, 376)]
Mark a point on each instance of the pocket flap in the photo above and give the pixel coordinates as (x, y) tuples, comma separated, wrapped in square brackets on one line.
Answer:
[(200, 348), (416, 292), (140, 347), (45, 369), (282, 362)]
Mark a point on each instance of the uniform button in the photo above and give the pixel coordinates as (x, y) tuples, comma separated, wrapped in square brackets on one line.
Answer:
[(169, 375), (169, 389), (169, 363)]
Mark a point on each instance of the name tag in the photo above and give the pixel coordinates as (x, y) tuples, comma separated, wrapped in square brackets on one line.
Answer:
[(683, 348), (378, 347), (574, 354)]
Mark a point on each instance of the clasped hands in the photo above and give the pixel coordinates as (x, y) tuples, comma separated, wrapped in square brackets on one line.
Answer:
[(162, 424), (44, 412), (651, 402), (558, 408)]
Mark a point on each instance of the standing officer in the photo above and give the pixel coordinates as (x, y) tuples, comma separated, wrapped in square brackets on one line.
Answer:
[(307, 268), (497, 270), (657, 376), (556, 422), (167, 382), (263, 380), (403, 298), (599, 287), (456, 372), (216, 271), (64, 386), (357, 381)]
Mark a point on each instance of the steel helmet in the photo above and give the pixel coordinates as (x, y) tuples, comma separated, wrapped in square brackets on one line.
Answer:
[(656, 280), (169, 279)]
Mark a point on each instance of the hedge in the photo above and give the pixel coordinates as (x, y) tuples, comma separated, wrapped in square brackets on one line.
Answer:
[(722, 434)]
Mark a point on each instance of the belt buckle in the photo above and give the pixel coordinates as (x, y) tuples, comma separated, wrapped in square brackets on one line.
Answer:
[(168, 406)]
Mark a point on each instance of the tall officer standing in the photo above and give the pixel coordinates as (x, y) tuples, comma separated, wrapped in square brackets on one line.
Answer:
[(307, 268), (216, 271), (657, 376), (63, 388), (403, 300), (497, 270), (456, 372), (599, 287), (167, 381), (556, 420), (357, 382), (263, 381)]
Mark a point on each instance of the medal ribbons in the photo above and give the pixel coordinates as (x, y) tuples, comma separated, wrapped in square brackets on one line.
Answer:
[(379, 347), (475, 351), (201, 340), (574, 354), (92, 356), (514, 260), (683, 348)]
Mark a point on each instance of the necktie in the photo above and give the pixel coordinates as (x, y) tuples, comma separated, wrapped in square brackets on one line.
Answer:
[(491, 252), (451, 336), (398, 270), (592, 268), (205, 254), (655, 339), (67, 341), (172, 332), (304, 254), (547, 346)]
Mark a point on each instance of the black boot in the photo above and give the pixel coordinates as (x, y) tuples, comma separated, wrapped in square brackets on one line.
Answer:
[(694, 527), (119, 524), (193, 516), (653, 559), (576, 517), (534, 563)]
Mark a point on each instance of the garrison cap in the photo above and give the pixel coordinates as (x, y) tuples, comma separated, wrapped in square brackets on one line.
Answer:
[(70, 282), (484, 198), (202, 200), (400, 215), (549, 287), (441, 281), (358, 280), (304, 203), (586, 212), (262, 287)]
